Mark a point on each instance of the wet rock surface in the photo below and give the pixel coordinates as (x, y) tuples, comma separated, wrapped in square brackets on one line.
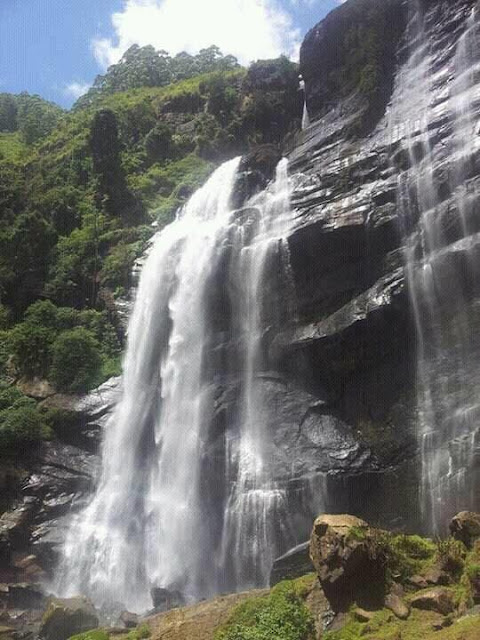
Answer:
[(293, 564), (57, 483)]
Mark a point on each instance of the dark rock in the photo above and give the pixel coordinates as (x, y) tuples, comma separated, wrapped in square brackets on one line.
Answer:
[(15, 525), (67, 617), (341, 552), (29, 567), (256, 170), (166, 599), (294, 564), (439, 599), (79, 420), (333, 70), (465, 526), (26, 596), (128, 619)]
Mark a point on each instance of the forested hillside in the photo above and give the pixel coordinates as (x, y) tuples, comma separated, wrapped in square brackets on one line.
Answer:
[(80, 191)]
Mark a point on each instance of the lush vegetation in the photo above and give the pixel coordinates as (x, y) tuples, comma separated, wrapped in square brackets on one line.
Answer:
[(282, 615), (79, 192)]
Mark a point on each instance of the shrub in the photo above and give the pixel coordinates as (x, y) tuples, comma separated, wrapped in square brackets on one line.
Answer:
[(31, 347), (22, 426), (451, 554), (5, 317), (76, 361), (281, 615), (139, 633)]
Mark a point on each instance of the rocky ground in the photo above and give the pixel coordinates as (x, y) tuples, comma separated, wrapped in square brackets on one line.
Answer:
[(361, 582)]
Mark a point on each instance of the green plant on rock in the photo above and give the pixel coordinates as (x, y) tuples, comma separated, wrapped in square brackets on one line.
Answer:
[(281, 615), (451, 554), (22, 426)]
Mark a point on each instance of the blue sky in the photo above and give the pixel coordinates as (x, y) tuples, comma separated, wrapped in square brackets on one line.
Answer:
[(56, 47)]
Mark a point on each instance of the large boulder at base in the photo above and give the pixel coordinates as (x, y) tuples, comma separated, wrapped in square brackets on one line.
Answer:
[(293, 564), (67, 617), (166, 599), (341, 551), (439, 599), (465, 526)]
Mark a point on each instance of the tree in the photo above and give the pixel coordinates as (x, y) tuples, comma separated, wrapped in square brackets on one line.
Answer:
[(36, 117), (158, 143), (113, 194), (76, 361), (8, 113)]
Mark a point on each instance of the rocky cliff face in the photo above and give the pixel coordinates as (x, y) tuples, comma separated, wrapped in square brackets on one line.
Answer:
[(355, 343)]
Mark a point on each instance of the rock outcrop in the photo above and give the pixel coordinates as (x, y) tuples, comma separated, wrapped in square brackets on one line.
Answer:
[(343, 552), (465, 526), (64, 618), (59, 479)]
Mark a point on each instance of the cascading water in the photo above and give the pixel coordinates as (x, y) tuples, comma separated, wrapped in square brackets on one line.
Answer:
[(442, 262), (167, 511), (256, 508)]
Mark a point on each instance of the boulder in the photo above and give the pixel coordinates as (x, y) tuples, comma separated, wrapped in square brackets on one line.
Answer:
[(293, 564), (437, 576), (438, 599), (67, 617), (397, 606), (465, 526), (128, 619), (417, 582), (166, 599), (15, 525), (26, 596), (342, 550)]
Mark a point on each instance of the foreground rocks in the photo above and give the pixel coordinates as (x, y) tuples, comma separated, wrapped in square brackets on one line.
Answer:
[(439, 599), (342, 552), (366, 571), (67, 617), (465, 527)]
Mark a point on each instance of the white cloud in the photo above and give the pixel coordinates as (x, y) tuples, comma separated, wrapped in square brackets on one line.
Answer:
[(76, 89), (248, 29)]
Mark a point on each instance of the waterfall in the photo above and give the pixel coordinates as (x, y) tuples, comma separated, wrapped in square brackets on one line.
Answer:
[(442, 266), (171, 509), (305, 116)]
